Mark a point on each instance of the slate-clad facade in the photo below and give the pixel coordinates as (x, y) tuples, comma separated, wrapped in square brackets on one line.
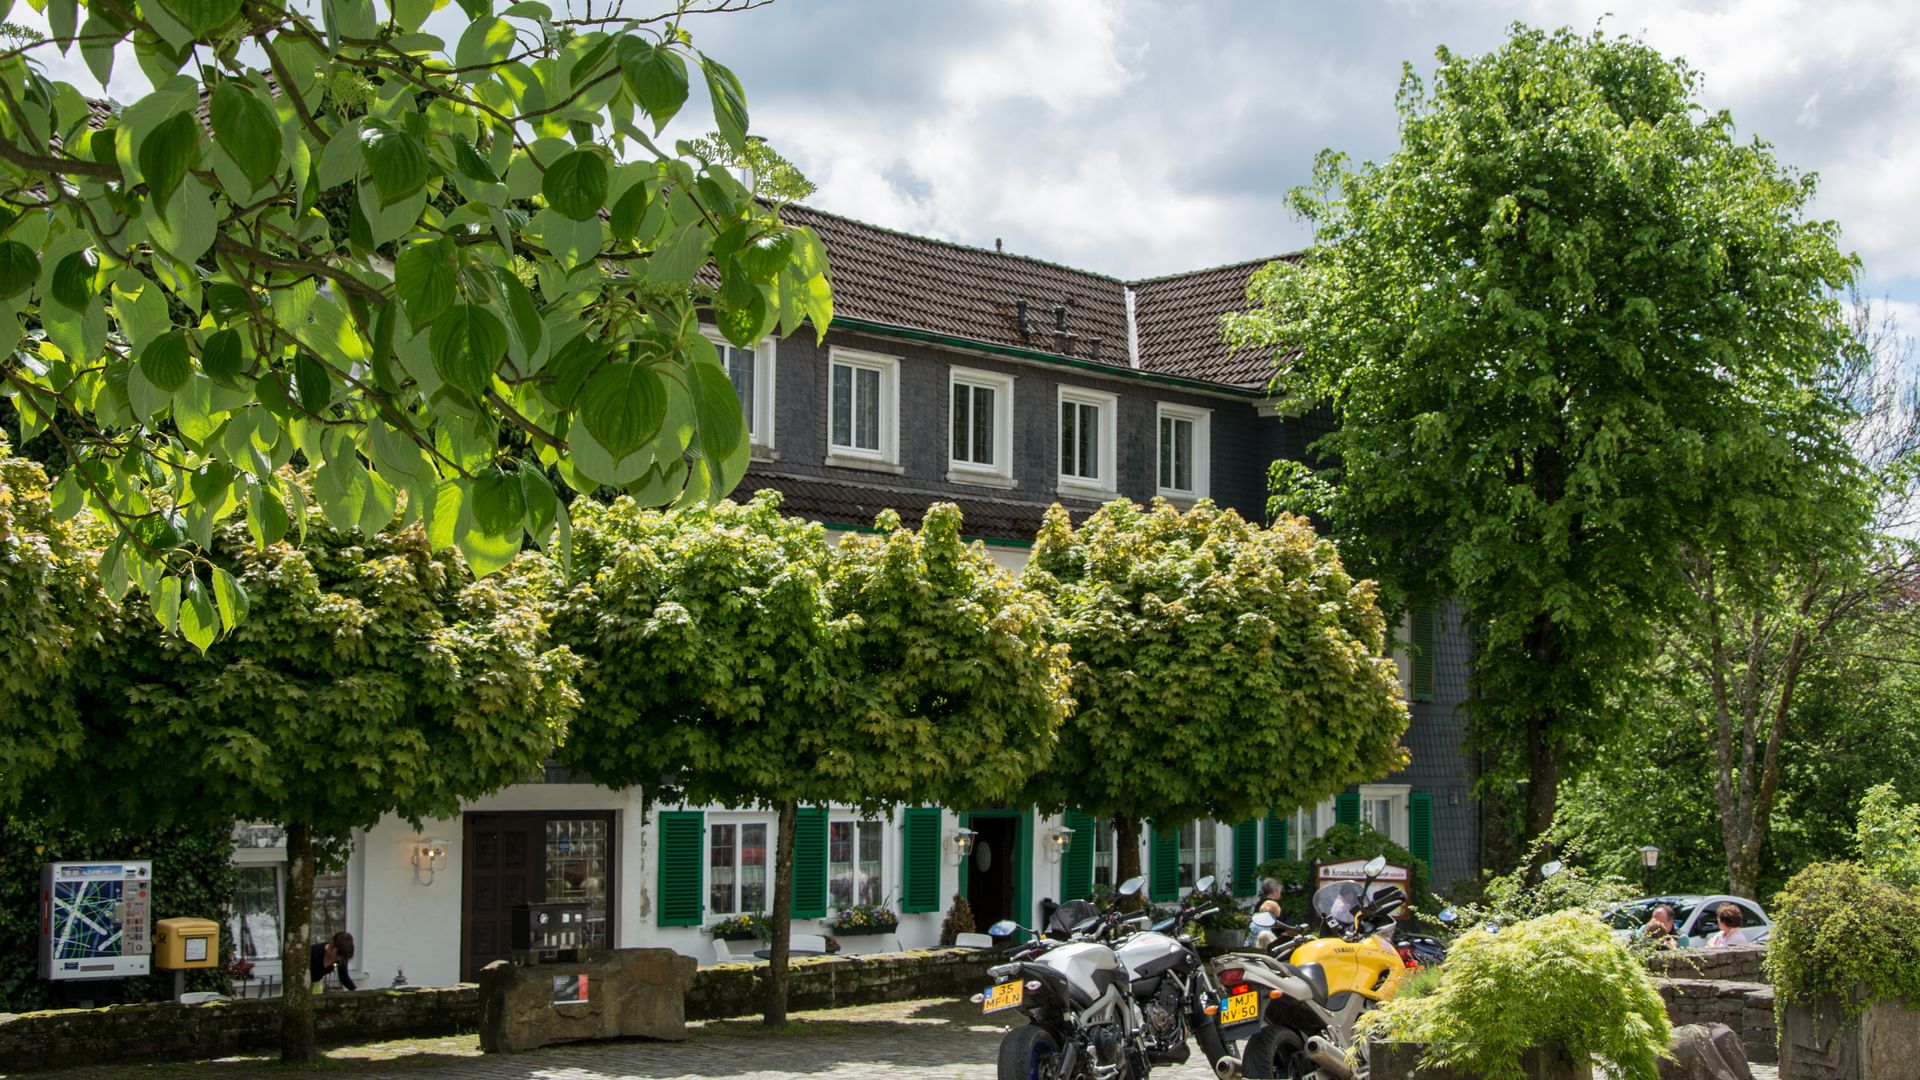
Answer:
[(1100, 370)]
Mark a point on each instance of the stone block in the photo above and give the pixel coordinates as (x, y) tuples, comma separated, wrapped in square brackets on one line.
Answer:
[(1401, 1061), (632, 993), (1705, 1052), (1818, 1042)]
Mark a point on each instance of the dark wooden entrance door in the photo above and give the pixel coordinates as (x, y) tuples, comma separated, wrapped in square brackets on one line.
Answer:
[(502, 869), (990, 871)]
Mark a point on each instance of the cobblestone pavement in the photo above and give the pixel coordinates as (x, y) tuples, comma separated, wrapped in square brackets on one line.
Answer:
[(918, 1040)]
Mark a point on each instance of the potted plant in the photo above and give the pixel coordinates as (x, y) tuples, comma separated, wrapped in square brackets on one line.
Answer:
[(1226, 929), (857, 919), (740, 928), (1543, 998)]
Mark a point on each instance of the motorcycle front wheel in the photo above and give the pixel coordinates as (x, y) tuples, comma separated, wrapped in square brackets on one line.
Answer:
[(1276, 1053), (1029, 1053)]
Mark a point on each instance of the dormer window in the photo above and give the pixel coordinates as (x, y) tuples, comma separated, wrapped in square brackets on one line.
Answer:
[(1183, 464), (980, 435), (1086, 441), (863, 409)]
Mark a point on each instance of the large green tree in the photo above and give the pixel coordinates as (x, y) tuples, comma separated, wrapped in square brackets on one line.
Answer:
[(733, 656), (370, 676), (1220, 669), (430, 268), (1572, 330)]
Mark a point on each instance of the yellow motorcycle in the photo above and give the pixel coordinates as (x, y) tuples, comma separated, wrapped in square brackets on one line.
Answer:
[(1297, 996)]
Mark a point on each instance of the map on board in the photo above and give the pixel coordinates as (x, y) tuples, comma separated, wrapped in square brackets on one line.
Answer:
[(94, 919)]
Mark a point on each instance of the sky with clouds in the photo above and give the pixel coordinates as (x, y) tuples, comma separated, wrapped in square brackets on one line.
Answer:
[(1143, 137)]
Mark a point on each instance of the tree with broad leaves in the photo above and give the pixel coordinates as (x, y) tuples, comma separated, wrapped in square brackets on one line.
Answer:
[(433, 270), (1571, 331), (732, 656), (369, 676), (1220, 669)]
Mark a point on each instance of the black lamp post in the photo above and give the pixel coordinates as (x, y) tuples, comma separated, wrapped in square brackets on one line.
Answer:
[(1649, 858)]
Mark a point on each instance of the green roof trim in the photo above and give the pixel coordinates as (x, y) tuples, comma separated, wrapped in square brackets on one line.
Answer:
[(841, 322)]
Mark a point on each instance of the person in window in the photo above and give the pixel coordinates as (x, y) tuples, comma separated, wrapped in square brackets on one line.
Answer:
[(1730, 923), (1660, 928), (331, 955)]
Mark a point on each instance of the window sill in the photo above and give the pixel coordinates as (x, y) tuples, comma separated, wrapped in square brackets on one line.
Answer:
[(1182, 499), (869, 464), (762, 453), (1084, 491), (980, 478)]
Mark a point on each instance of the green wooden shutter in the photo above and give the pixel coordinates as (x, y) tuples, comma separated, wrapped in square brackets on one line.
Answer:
[(1276, 836), (1163, 858), (810, 863), (920, 860), (1076, 866), (1420, 825), (1346, 809), (1423, 650), (1246, 857), (682, 837)]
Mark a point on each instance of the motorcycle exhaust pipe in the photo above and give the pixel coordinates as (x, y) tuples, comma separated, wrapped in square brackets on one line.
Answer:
[(1329, 1057), (1227, 1068)]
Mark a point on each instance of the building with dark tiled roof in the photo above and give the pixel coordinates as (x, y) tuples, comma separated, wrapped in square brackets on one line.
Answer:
[(1003, 384)]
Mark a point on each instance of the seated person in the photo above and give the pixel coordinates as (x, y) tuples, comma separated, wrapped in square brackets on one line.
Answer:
[(1730, 922), (1660, 928)]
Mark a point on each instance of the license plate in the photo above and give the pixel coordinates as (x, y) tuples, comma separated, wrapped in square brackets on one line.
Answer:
[(1004, 996), (1240, 1008)]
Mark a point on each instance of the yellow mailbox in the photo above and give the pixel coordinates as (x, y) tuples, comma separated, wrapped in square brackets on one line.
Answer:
[(182, 944)]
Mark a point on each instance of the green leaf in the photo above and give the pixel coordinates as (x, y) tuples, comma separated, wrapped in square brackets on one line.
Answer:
[(682, 258), (199, 623), (656, 76), (166, 603), (202, 17), (230, 598), (543, 506), (341, 159), (425, 278), (19, 268), (223, 356), (467, 343), (312, 385), (485, 44), (75, 279), (396, 161), (622, 405), (443, 517), (576, 184), (729, 103), (266, 515), (722, 428), (470, 163), (165, 361), (166, 154), (499, 503), (246, 129), (67, 497), (628, 210), (570, 366)]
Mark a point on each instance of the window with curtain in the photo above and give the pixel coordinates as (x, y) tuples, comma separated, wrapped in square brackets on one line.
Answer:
[(256, 912), (1103, 863), (737, 868), (853, 863)]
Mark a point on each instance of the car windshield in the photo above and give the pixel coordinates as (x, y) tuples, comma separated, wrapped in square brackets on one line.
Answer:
[(1337, 902), (1634, 916)]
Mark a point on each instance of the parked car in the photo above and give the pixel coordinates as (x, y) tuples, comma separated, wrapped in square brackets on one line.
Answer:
[(1696, 916)]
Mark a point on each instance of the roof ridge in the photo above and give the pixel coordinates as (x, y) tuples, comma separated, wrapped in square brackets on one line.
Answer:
[(925, 239), (1213, 269)]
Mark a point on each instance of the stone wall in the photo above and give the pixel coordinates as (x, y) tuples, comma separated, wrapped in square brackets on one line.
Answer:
[(1742, 963), (1746, 1007), (1820, 1042), (169, 1032)]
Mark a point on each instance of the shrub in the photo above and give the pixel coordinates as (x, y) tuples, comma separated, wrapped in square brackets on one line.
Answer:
[(1339, 844), (1559, 980), (959, 921), (1524, 893), (1835, 927), (1887, 836)]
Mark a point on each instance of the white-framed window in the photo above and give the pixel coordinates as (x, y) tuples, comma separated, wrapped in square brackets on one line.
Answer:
[(1086, 440), (751, 371), (854, 863), (980, 427), (863, 408), (737, 880), (1103, 851), (1199, 851), (1309, 824), (1384, 806), (1182, 463)]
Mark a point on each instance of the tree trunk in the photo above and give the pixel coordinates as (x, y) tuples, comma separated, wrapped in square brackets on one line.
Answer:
[(1543, 776), (781, 924), (1126, 849), (296, 1002)]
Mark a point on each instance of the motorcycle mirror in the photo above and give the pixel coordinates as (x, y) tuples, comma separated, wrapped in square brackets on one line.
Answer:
[(1448, 915), (1003, 928), (1375, 866), (1133, 885), (1265, 920), (1552, 868), (1204, 885)]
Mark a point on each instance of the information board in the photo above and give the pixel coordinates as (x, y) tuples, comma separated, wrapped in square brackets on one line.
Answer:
[(95, 919)]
